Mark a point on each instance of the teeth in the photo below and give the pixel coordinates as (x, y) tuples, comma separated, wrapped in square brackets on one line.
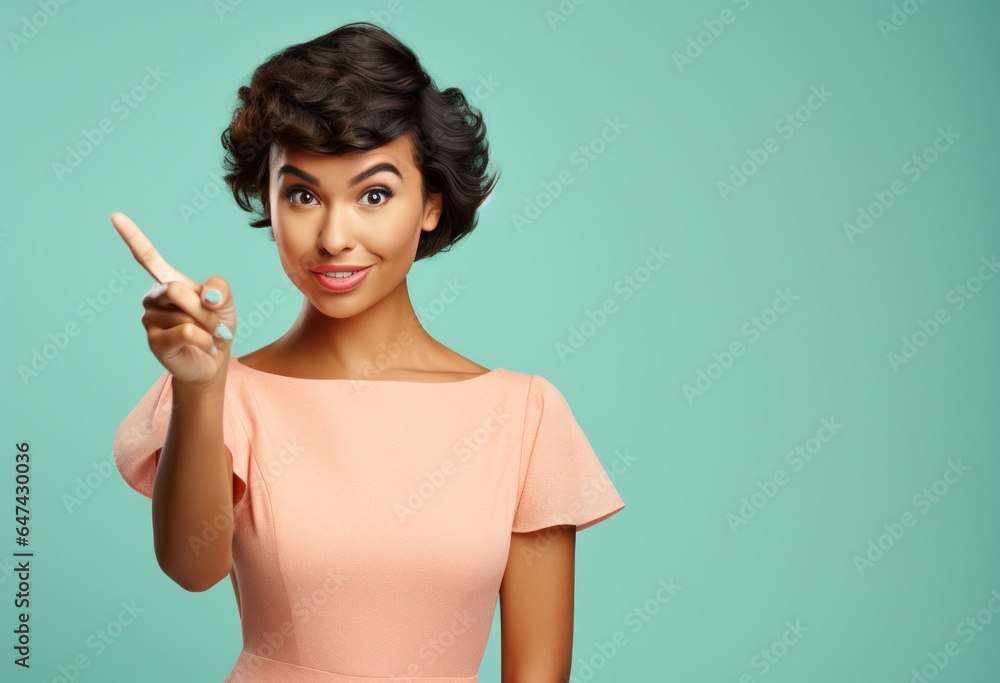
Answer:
[(339, 275)]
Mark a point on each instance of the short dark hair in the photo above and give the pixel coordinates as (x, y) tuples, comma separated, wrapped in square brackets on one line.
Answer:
[(354, 89)]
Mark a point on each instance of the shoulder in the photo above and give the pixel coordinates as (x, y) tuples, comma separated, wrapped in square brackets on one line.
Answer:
[(539, 386), (537, 393), (531, 382)]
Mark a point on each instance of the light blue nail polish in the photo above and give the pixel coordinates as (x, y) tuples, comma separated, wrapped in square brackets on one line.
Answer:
[(212, 350), (223, 331), (213, 296)]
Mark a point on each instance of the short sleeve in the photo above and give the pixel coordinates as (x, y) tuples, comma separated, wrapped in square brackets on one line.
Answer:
[(562, 481), (139, 438)]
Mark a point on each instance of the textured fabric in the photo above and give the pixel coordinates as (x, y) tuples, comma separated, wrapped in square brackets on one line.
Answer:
[(373, 518)]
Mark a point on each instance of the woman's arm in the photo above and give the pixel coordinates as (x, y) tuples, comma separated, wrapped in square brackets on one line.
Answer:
[(192, 488), (189, 333), (536, 606)]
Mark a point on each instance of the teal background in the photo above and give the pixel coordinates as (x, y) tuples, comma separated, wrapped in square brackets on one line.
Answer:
[(690, 459)]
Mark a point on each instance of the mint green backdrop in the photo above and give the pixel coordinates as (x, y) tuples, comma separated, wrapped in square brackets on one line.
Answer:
[(752, 243)]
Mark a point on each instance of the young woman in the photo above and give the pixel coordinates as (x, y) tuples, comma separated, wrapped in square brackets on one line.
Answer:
[(370, 492)]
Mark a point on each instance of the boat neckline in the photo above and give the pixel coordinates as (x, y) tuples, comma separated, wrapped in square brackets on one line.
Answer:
[(255, 371)]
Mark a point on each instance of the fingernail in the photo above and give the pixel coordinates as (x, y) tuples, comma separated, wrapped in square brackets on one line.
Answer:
[(212, 350), (213, 296), (223, 331)]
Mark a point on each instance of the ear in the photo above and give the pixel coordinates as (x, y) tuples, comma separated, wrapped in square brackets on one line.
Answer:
[(432, 211)]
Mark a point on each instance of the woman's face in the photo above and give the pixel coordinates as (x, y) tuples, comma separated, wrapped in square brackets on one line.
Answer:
[(362, 209)]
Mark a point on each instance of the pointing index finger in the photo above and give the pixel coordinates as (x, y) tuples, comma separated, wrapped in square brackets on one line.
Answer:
[(146, 254)]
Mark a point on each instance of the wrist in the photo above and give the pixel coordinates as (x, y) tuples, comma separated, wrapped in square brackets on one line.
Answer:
[(202, 389)]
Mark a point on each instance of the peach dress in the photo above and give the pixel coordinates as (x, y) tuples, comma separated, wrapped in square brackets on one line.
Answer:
[(373, 517)]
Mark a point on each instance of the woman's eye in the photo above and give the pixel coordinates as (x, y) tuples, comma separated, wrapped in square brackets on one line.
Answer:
[(383, 191), (371, 195), (298, 191)]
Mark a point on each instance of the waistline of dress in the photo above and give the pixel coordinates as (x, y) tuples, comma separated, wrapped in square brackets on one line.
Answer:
[(251, 668)]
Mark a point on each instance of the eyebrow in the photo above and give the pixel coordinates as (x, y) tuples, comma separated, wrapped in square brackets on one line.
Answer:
[(377, 168)]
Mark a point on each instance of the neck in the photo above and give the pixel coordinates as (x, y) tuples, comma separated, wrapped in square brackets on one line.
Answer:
[(383, 337)]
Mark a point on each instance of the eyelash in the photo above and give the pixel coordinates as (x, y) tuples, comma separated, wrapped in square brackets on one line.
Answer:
[(381, 190)]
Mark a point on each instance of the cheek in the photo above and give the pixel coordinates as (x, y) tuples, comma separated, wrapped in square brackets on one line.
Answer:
[(287, 246), (396, 237), (390, 245)]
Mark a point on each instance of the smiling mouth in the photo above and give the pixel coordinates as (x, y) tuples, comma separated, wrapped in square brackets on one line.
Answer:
[(340, 278)]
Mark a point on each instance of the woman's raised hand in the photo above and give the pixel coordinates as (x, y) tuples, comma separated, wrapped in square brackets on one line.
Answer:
[(188, 324)]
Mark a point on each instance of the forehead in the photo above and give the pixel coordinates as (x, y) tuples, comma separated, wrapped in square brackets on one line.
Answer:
[(398, 152)]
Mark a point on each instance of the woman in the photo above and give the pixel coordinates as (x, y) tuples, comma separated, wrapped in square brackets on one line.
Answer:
[(370, 492)]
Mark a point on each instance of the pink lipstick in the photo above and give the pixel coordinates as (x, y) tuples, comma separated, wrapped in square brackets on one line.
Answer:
[(337, 281)]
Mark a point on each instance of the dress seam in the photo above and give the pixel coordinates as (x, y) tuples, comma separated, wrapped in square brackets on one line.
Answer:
[(519, 487), (274, 528), (251, 458)]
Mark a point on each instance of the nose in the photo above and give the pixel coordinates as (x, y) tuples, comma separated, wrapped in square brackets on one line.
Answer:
[(335, 233)]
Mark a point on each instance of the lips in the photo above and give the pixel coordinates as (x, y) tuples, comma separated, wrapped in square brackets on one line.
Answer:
[(340, 284)]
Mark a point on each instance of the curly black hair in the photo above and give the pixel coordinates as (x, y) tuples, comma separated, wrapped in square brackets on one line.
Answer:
[(354, 89)]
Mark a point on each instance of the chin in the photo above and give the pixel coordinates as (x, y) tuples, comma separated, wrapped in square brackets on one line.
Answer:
[(336, 306)]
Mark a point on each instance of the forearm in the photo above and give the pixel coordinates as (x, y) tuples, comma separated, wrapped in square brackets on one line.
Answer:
[(192, 489)]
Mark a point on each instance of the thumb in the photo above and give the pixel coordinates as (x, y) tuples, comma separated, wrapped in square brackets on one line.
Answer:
[(217, 296)]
